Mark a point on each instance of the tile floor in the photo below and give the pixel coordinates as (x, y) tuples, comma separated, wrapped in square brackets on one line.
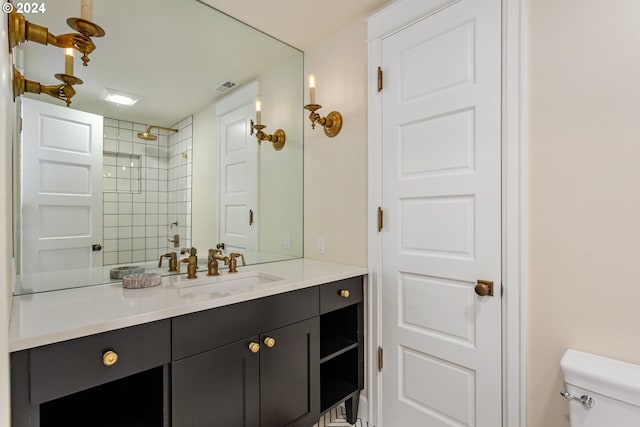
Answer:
[(337, 418)]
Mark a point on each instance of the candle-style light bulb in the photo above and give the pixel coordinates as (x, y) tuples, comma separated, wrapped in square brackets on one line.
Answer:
[(258, 113), (312, 89), (86, 9), (68, 61)]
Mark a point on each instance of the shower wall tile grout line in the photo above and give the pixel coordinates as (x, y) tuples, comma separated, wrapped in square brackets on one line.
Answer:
[(141, 202)]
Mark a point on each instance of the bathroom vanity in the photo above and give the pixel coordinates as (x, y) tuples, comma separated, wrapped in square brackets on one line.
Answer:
[(273, 352)]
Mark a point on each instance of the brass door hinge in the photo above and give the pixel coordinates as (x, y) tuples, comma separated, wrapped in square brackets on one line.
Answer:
[(379, 79), (380, 359), (380, 219)]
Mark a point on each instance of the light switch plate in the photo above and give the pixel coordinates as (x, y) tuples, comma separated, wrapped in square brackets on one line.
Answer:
[(320, 245)]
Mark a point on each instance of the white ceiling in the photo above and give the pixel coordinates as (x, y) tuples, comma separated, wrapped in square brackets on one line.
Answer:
[(174, 53), (301, 23)]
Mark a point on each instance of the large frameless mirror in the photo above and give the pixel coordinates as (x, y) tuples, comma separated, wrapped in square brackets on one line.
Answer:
[(102, 189)]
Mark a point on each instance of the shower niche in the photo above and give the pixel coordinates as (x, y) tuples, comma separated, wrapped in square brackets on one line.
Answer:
[(121, 173)]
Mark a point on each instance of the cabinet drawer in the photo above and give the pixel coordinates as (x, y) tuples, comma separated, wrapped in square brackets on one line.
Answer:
[(197, 332), (340, 294), (64, 368)]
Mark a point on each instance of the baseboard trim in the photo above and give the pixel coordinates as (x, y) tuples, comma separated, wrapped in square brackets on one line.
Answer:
[(363, 409)]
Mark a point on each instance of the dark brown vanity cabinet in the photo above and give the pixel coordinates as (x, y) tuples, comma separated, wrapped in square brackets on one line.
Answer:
[(253, 364), (116, 378), (277, 361), (217, 387)]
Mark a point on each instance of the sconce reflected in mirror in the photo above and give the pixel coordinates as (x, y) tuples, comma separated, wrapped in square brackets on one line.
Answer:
[(21, 30), (278, 138), (332, 124), (63, 92)]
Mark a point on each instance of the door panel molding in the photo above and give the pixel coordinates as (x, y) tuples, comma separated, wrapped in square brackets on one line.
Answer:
[(385, 22), (238, 172), (61, 206)]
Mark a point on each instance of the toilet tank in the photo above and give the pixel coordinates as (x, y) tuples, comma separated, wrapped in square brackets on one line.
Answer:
[(613, 385)]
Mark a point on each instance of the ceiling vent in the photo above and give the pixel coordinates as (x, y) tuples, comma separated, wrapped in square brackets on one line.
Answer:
[(225, 86)]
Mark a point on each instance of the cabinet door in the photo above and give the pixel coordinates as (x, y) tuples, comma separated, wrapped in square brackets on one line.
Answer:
[(290, 375), (217, 388)]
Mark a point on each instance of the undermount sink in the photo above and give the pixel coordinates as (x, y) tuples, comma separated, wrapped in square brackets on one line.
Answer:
[(224, 282)]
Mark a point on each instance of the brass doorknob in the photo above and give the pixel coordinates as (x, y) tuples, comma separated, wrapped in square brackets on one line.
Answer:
[(269, 342), (345, 293), (254, 347), (109, 358), (484, 288)]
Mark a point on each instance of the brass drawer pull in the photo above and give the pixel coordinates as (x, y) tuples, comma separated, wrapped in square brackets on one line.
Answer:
[(269, 342), (344, 293), (254, 347), (109, 358)]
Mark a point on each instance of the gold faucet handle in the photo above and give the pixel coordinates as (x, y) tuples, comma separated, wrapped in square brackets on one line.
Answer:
[(170, 255), (161, 258), (238, 255)]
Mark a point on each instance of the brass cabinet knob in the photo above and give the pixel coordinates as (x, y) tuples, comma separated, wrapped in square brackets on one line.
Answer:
[(269, 342), (109, 358), (345, 293), (484, 288), (254, 347)]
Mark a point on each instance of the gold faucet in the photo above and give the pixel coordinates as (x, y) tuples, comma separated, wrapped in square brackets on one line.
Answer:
[(233, 264), (192, 260), (212, 264), (173, 262)]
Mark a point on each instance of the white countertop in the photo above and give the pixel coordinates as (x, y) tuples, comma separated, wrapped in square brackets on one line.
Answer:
[(49, 317)]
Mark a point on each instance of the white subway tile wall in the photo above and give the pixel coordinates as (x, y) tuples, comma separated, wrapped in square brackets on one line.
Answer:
[(146, 191)]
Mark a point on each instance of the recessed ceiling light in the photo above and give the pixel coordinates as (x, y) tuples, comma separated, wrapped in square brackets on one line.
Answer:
[(119, 97)]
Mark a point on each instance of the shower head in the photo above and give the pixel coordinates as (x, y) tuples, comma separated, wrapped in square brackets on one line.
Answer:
[(148, 136)]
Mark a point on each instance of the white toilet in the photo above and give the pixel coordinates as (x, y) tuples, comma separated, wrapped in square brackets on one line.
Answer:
[(602, 392)]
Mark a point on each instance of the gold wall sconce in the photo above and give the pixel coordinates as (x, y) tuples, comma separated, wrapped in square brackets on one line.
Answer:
[(332, 124), (63, 92), (21, 30), (278, 138)]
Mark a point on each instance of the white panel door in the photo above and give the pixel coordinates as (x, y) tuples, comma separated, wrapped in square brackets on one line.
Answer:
[(238, 181), (441, 151), (61, 196)]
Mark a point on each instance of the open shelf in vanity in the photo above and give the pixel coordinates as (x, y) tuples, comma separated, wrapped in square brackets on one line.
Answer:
[(139, 400), (341, 345)]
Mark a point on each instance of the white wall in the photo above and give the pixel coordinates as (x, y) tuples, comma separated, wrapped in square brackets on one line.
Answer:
[(583, 72), (6, 130), (280, 182), (205, 180), (335, 169)]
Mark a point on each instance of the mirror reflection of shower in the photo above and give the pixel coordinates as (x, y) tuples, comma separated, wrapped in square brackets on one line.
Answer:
[(148, 136), (146, 190)]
